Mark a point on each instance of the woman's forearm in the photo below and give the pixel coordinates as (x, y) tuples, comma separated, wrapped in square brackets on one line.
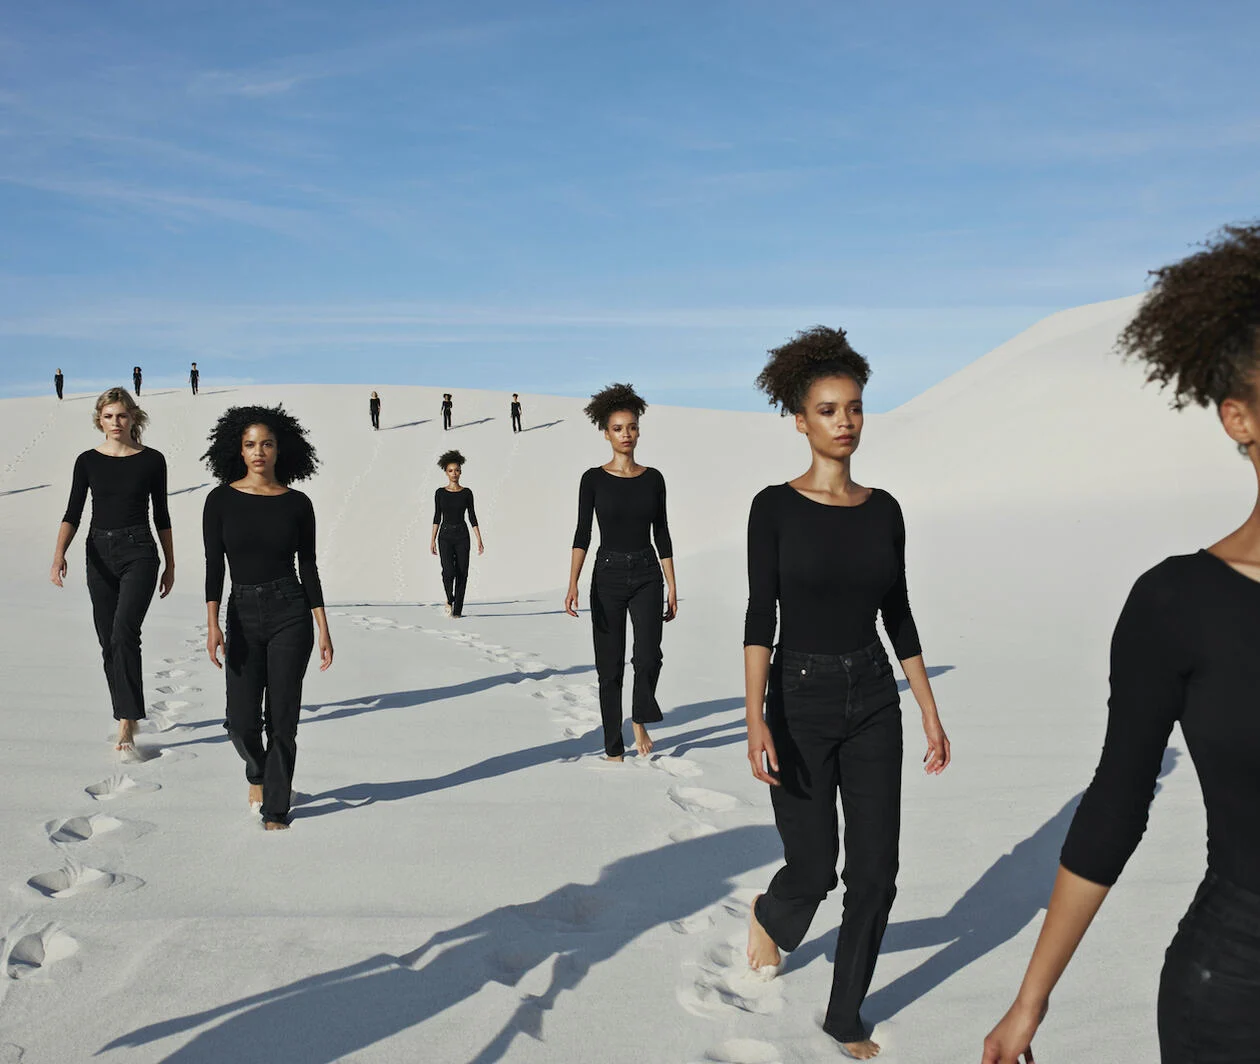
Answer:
[(756, 673), (321, 619), (667, 567), (577, 560), (920, 686), (212, 614), (167, 539), (1073, 905), (65, 533)]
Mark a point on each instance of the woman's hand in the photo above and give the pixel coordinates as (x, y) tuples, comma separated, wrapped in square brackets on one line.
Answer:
[(433, 546), (937, 758), (214, 644), (761, 753), (325, 650), (571, 601), (481, 547), (671, 604), (1010, 1042), (167, 582), (57, 571)]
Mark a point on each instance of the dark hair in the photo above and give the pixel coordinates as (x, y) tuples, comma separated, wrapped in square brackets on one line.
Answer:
[(615, 397), (1199, 327), (295, 456), (809, 356), (450, 456)]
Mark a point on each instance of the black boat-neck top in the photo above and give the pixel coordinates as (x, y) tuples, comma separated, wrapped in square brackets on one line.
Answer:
[(449, 508), (121, 489), (631, 512)]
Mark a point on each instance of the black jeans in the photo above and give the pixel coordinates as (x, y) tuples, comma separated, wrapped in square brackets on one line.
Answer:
[(270, 634), (454, 548), (376, 418), (1209, 991), (122, 573), (836, 724), (193, 382), (516, 422), (627, 584), (446, 419), (59, 385), (136, 382)]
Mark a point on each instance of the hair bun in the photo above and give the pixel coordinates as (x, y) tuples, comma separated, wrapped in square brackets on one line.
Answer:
[(809, 356)]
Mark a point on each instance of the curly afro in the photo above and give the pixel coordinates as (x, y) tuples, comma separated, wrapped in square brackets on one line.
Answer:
[(295, 456), (1199, 327), (450, 456), (809, 356), (615, 397)]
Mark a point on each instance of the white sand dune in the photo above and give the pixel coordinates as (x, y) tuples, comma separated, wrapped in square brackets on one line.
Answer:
[(465, 880)]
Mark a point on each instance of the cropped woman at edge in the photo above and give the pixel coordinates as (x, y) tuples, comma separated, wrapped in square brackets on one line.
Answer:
[(259, 523), (824, 716), (1184, 649), (629, 501), (122, 561), (450, 533)]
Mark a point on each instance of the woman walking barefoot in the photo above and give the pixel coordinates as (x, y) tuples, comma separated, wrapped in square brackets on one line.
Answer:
[(824, 716), (629, 501), (450, 534), (122, 560), (374, 410), (1184, 650), (259, 523), (448, 407)]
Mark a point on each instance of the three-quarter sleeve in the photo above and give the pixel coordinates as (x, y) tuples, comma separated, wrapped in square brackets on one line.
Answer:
[(308, 570), (157, 489), (763, 573), (212, 538), (472, 513), (78, 492), (437, 506), (1148, 684), (660, 525), (895, 606), (586, 511)]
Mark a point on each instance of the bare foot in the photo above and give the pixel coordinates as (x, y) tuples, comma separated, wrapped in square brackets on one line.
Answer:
[(617, 759), (642, 741), (255, 796), (448, 609), (126, 734), (762, 952), (864, 1050), (275, 825)]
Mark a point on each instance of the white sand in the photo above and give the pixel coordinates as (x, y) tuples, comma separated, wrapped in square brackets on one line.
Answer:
[(467, 881)]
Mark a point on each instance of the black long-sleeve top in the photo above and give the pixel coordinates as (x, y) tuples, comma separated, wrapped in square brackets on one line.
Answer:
[(121, 489), (1184, 649), (449, 507), (259, 535), (374, 405), (629, 509), (829, 569)]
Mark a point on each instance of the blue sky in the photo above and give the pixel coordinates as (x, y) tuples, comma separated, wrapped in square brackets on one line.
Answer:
[(550, 196)]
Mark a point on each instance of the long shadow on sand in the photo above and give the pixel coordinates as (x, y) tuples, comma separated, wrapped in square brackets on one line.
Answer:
[(468, 424), (996, 908), (22, 491), (330, 1016), (544, 425), (407, 424), (185, 491)]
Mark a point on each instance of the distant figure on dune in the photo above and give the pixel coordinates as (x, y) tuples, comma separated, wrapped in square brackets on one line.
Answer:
[(194, 378), (447, 408), (1184, 650), (629, 500), (374, 410), (255, 520), (516, 412), (137, 375), (824, 718), (59, 382), (450, 536), (122, 559)]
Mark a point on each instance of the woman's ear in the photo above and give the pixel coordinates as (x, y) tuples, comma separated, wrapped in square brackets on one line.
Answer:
[(1240, 422)]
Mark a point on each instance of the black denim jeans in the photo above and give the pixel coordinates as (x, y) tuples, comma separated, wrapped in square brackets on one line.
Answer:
[(270, 633), (454, 548), (836, 724), (122, 574), (627, 584), (1209, 991)]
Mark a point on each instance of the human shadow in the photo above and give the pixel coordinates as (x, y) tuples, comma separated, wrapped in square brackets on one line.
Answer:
[(185, 491), (330, 1016), (407, 424), (21, 491), (544, 425), (472, 611), (1006, 898), (466, 424)]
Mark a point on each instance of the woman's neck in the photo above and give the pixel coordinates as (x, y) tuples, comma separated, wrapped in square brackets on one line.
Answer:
[(829, 476), (259, 484), (622, 463), (118, 448)]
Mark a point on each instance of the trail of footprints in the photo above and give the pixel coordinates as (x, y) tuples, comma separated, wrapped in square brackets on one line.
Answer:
[(717, 984), (25, 952)]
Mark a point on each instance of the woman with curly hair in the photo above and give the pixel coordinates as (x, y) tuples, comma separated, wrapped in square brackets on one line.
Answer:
[(450, 533), (122, 559), (448, 407), (1184, 650), (827, 554), (629, 501), (259, 523)]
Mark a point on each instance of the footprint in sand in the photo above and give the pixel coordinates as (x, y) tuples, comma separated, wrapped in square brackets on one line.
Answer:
[(725, 981), (81, 828), (700, 800), (693, 924), (11, 1053), (120, 786), (744, 1051), (171, 674), (177, 689), (38, 950), (687, 832), (739, 902), (74, 879), (672, 765)]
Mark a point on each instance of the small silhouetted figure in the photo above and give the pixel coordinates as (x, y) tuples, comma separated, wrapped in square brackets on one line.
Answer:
[(136, 376), (374, 408), (59, 382), (194, 377), (516, 412), (447, 407)]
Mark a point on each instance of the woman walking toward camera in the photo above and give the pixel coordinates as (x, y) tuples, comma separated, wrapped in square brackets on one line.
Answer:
[(629, 501), (1184, 650), (824, 719), (447, 408), (450, 537), (374, 410), (259, 524), (123, 476)]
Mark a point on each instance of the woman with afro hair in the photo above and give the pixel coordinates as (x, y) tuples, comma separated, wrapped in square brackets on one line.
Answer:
[(259, 523), (450, 534), (629, 501), (1184, 650), (827, 554)]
